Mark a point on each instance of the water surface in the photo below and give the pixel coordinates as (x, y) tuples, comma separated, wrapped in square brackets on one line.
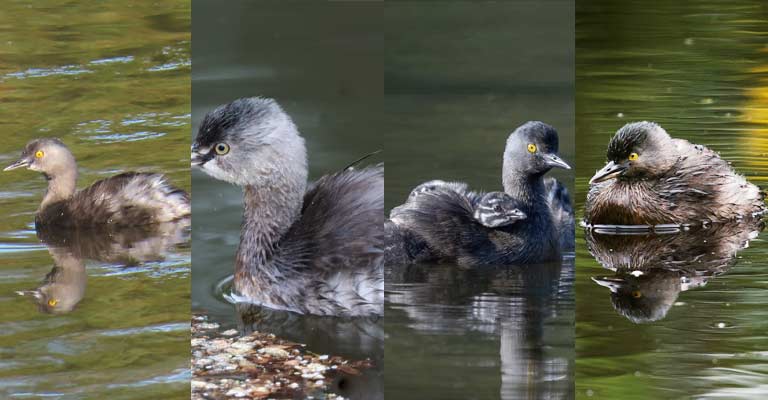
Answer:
[(700, 71), (459, 79), (321, 62), (112, 81)]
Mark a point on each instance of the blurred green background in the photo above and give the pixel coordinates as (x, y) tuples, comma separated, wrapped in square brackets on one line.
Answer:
[(111, 79), (700, 69)]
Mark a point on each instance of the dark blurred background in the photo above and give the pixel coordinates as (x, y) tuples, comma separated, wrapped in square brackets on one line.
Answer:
[(459, 77), (323, 63)]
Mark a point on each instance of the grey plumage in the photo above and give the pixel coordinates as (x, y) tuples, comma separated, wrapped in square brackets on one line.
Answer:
[(127, 199), (440, 221), (438, 184), (314, 249), (671, 181), (444, 222)]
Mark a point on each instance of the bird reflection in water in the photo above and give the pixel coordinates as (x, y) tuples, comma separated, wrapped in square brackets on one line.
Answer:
[(64, 287), (526, 307), (652, 268)]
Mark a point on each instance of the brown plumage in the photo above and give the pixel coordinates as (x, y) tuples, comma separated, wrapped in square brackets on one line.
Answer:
[(651, 269), (668, 181), (127, 199)]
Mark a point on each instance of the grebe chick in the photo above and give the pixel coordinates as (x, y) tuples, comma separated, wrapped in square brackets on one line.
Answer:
[(444, 225), (127, 199), (491, 209)]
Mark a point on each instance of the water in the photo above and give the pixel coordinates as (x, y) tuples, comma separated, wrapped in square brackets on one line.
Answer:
[(700, 71), (321, 62), (112, 82), (453, 93)]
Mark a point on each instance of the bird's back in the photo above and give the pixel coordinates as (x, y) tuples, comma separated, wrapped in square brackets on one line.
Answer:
[(445, 220), (700, 186), (334, 252), (127, 199)]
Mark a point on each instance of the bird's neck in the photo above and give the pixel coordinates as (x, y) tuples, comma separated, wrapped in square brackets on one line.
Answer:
[(61, 186), (525, 188), (269, 213)]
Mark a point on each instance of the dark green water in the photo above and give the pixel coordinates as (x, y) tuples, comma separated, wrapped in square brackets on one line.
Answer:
[(700, 71), (112, 81), (453, 93), (322, 63)]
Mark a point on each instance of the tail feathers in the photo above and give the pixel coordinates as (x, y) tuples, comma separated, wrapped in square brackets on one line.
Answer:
[(153, 192), (440, 218), (341, 221), (133, 199)]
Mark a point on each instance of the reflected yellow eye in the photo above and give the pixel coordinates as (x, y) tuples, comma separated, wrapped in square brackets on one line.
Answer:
[(52, 302), (221, 149), (637, 294), (39, 154), (634, 156), (531, 148)]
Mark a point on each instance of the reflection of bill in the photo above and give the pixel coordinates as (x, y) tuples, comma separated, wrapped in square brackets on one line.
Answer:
[(651, 269), (64, 287)]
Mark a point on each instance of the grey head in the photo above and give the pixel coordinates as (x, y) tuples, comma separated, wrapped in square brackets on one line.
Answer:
[(250, 141), (49, 156), (435, 185), (638, 150), (531, 150), (643, 296), (63, 287), (497, 209)]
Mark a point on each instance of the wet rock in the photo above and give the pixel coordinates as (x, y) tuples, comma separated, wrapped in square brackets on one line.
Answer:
[(275, 352)]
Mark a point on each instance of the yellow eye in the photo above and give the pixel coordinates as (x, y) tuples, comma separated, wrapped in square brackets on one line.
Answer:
[(39, 154), (221, 149), (634, 156), (531, 148), (637, 294), (52, 302)]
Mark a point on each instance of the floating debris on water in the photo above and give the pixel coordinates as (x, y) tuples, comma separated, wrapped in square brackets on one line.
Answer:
[(260, 366)]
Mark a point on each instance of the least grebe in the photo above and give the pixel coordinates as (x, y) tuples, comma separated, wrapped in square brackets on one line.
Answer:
[(652, 178), (652, 268), (437, 184), (531, 151), (311, 249), (496, 209), (64, 286), (407, 246), (465, 227), (490, 209), (126, 199)]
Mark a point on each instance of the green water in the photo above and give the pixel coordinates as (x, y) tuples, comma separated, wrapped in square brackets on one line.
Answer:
[(700, 71), (453, 93), (112, 81)]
